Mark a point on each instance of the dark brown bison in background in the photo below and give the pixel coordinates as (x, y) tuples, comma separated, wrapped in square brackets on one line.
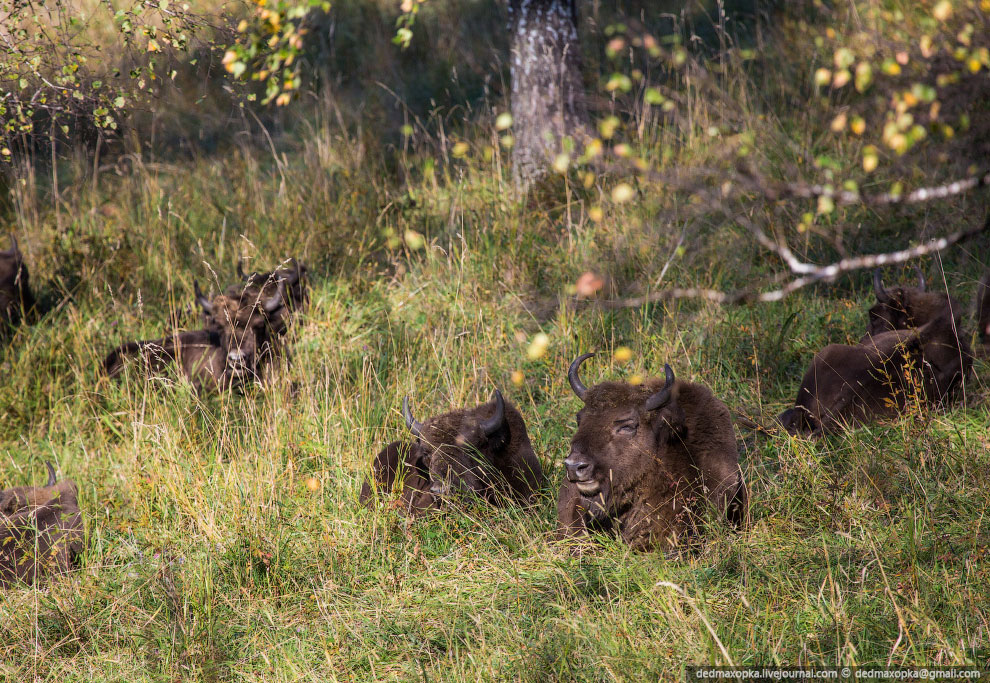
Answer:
[(983, 308), (851, 385), (264, 284), (483, 451), (905, 308), (41, 531), (648, 462), (15, 290), (236, 346)]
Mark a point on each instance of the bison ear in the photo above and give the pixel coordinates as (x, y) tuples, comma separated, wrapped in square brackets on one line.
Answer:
[(201, 299)]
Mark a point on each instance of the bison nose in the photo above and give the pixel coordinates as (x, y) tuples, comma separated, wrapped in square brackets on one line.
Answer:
[(579, 467)]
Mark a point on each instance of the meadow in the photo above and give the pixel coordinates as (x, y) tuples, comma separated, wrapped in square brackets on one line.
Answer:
[(225, 541)]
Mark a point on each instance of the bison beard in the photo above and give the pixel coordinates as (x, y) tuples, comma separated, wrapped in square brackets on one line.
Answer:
[(483, 451), (41, 531), (648, 461)]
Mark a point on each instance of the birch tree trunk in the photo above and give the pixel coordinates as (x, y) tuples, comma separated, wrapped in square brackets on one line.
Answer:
[(547, 93)]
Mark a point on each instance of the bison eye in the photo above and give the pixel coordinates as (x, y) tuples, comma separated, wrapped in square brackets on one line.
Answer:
[(627, 428)]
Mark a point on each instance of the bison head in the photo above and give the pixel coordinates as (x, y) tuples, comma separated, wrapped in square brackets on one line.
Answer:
[(258, 285), (459, 448), (621, 430), (20, 497), (241, 326), (903, 308)]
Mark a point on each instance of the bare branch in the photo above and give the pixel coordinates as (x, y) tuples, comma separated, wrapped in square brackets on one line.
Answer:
[(818, 274)]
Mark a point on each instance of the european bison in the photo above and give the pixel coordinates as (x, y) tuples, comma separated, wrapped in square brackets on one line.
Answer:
[(648, 461), (15, 292), (850, 385), (905, 308), (983, 308), (41, 531), (235, 347), (484, 450)]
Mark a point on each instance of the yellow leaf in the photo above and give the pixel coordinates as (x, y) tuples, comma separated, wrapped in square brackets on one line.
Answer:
[(622, 192), (503, 122), (518, 378), (623, 354), (538, 347), (858, 125), (460, 149), (942, 10)]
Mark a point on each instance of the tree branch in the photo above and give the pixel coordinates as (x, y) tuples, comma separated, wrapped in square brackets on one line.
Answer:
[(815, 274)]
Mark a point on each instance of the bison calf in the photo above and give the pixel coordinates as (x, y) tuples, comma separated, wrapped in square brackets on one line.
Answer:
[(647, 461), (851, 385), (483, 451), (41, 531), (15, 291)]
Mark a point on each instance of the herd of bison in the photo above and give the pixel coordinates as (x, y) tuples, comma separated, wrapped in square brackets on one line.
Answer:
[(649, 462)]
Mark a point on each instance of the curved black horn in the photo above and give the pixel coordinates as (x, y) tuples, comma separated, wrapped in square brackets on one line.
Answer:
[(240, 270), (660, 399), (878, 288), (922, 285), (201, 299), (572, 376), (13, 251), (492, 425), (414, 426), (277, 300), (51, 473)]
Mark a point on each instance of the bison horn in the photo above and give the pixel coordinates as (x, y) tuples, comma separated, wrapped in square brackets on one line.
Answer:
[(572, 376), (415, 426), (240, 270), (492, 425), (277, 300), (13, 246), (201, 299), (51, 473), (878, 288), (660, 399), (922, 285)]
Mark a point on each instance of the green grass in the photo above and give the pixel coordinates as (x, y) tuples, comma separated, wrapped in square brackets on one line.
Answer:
[(209, 558)]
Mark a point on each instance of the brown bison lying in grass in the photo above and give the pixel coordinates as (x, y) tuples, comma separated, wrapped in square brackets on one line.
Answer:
[(484, 451), (851, 385), (983, 308), (649, 461), (41, 531), (15, 292), (912, 347), (236, 346)]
